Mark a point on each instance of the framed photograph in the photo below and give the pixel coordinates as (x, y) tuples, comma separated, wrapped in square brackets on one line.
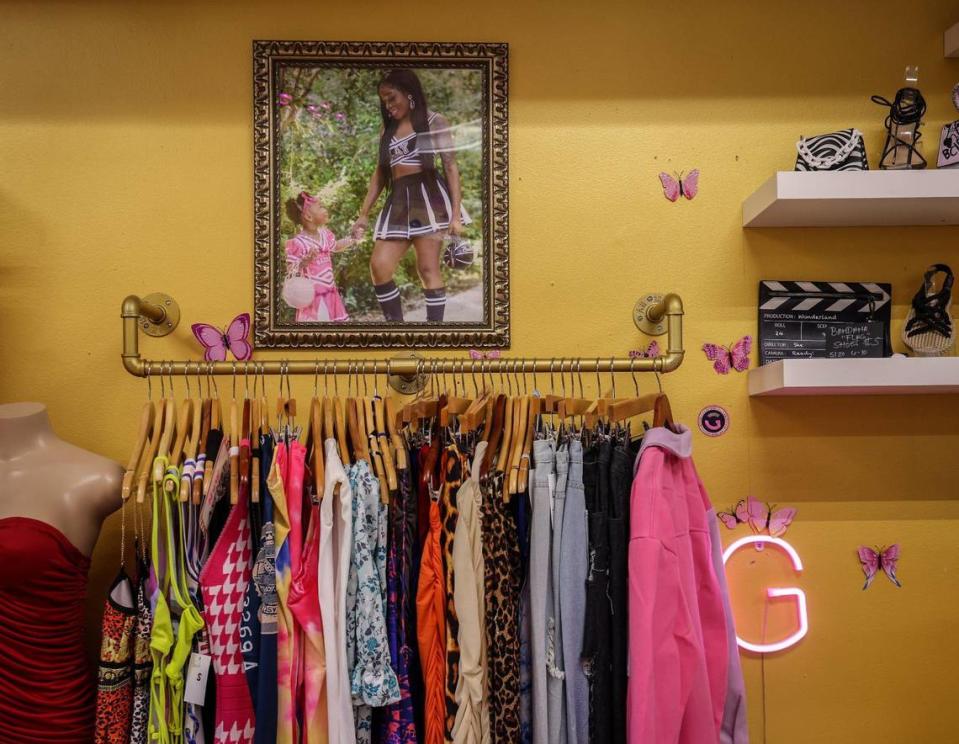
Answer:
[(381, 194)]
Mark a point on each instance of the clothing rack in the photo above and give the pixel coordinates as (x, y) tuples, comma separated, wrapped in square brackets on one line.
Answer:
[(158, 314)]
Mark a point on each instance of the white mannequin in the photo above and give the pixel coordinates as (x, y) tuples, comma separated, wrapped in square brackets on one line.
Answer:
[(45, 478)]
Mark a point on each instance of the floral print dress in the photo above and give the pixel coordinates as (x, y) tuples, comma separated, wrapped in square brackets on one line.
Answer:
[(372, 679)]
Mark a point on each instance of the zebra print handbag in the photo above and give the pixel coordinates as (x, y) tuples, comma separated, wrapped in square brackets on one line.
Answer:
[(843, 150)]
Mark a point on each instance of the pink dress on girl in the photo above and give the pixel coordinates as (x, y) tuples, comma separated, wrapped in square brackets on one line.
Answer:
[(327, 304)]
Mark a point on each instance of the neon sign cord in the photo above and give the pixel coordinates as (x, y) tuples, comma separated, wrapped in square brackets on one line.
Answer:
[(762, 664)]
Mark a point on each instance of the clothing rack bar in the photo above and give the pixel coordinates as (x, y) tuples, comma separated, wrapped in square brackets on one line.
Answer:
[(138, 312)]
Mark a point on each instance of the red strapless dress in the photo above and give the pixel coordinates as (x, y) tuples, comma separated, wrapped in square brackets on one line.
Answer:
[(47, 691)]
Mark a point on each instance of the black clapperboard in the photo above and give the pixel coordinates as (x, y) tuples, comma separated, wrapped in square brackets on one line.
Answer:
[(823, 320)]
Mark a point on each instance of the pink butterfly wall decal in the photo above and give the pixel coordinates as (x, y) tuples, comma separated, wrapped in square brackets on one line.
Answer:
[(725, 358), (675, 187), (884, 559), (216, 342), (651, 351), (491, 354), (759, 516)]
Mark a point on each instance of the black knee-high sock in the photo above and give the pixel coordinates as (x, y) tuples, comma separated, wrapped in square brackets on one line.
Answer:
[(435, 303), (389, 297)]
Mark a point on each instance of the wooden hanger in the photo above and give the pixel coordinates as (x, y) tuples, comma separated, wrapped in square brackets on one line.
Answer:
[(480, 411), (399, 446), (216, 423), (523, 475), (574, 406), (234, 442), (245, 445), (356, 421), (190, 447), (339, 422), (496, 417), (169, 429), (379, 420), (143, 432), (182, 427), (506, 444), (520, 417), (145, 468), (255, 445), (316, 434)]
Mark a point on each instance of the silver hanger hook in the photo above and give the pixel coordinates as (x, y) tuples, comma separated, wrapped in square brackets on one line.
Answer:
[(234, 380), (659, 380), (186, 379), (199, 382), (599, 383), (316, 374), (579, 374), (535, 384), (612, 376), (146, 373)]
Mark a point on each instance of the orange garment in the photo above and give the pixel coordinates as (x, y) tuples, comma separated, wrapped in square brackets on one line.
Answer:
[(431, 631)]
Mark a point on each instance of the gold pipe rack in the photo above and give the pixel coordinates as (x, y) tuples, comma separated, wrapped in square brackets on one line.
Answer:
[(158, 315)]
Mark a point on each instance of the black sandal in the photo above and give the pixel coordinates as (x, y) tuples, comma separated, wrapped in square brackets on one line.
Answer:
[(904, 113)]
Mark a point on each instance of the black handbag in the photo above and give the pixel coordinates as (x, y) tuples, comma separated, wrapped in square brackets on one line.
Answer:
[(843, 150)]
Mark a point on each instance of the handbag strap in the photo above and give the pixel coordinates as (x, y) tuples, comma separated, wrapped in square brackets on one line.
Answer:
[(802, 147)]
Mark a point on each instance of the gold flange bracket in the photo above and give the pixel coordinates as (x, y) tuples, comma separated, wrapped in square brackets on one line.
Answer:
[(411, 383), (649, 314), (159, 314)]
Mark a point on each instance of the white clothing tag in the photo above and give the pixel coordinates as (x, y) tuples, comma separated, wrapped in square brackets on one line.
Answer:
[(196, 672), (234, 451)]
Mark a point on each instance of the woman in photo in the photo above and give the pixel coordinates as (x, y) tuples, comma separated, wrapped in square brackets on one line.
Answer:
[(422, 205)]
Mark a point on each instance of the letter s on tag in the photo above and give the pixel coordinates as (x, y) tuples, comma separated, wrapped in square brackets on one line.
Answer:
[(197, 670)]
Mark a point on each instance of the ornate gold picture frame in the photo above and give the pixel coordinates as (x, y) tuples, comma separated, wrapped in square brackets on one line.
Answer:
[(381, 193)]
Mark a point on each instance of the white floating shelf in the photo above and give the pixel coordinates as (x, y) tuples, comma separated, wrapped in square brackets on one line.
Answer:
[(889, 376), (950, 41), (855, 198)]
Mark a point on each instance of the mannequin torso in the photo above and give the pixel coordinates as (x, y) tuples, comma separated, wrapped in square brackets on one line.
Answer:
[(44, 478)]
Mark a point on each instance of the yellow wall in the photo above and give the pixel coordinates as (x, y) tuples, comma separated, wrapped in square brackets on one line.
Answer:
[(125, 166)]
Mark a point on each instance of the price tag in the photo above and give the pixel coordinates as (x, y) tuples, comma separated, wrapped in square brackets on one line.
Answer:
[(196, 672)]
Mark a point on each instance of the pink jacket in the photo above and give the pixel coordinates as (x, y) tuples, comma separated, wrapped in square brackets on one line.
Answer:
[(677, 624)]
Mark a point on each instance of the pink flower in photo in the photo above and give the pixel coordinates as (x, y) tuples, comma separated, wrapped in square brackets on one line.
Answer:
[(327, 105), (340, 116), (285, 99)]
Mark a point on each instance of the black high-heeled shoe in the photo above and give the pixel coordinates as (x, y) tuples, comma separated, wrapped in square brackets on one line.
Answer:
[(902, 130)]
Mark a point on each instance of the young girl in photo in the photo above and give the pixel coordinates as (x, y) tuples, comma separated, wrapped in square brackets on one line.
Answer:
[(308, 255)]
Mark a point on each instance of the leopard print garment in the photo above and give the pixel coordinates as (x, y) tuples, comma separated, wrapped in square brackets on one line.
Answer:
[(142, 661), (452, 470), (503, 582), (115, 673)]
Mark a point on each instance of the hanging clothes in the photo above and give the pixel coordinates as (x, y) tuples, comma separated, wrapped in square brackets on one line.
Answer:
[(115, 673), (223, 582), (452, 466), (288, 545), (573, 572), (264, 579), (305, 606), (539, 554), (735, 726), (396, 722), (431, 630), (142, 659), (336, 545), (501, 560), (617, 523), (677, 642), (555, 659), (472, 716), (372, 680)]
